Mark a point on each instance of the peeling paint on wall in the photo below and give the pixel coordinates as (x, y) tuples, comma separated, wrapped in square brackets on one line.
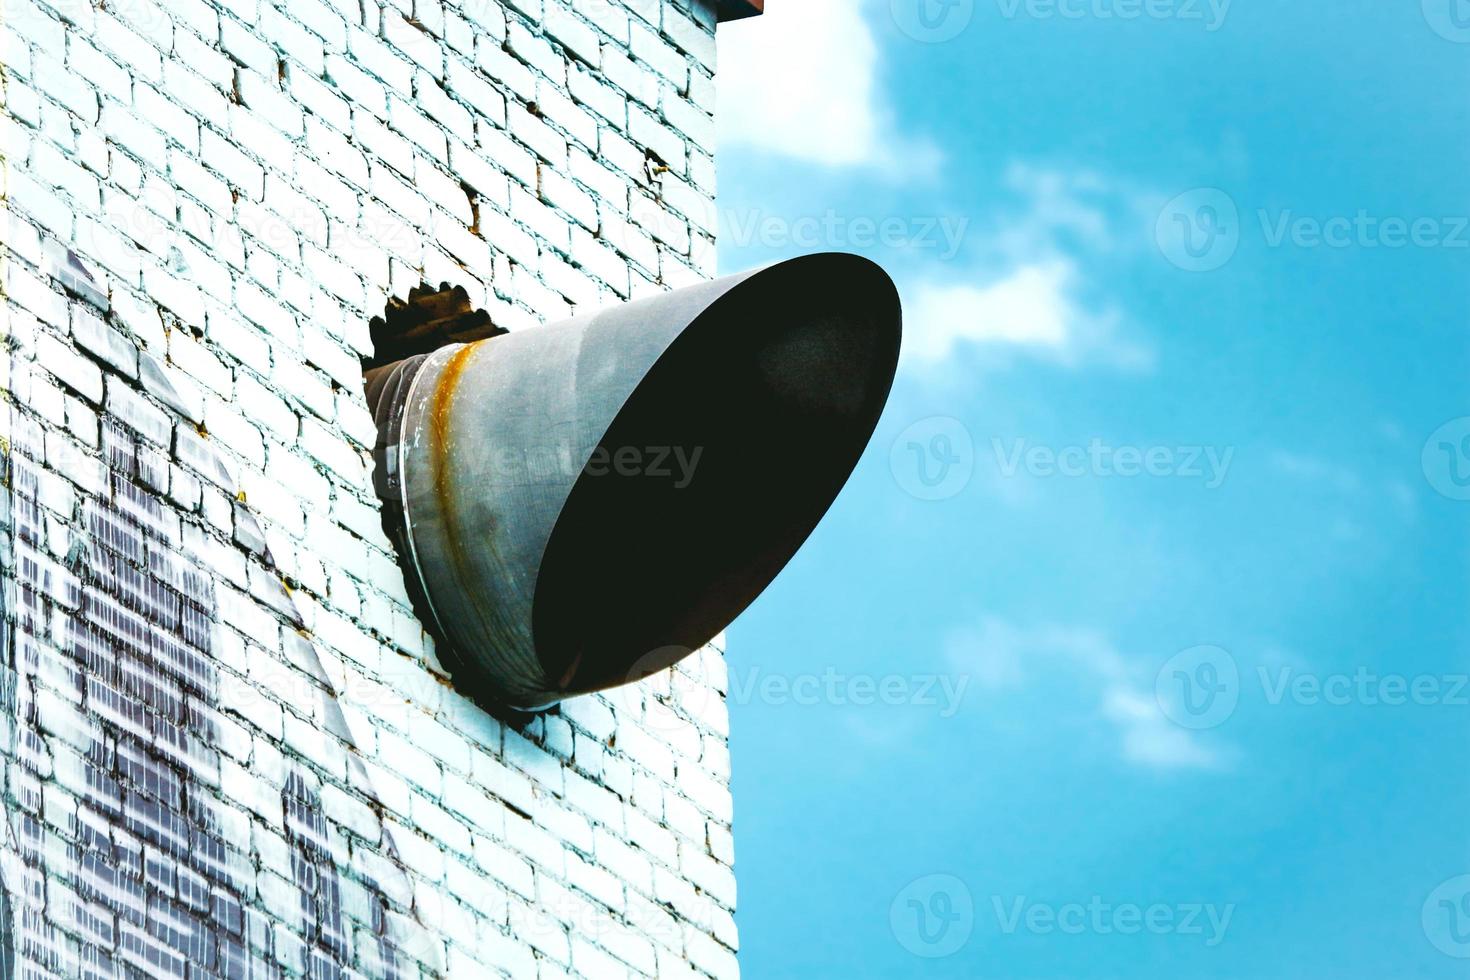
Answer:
[(112, 690)]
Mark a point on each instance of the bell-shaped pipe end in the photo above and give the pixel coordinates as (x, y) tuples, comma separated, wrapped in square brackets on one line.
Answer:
[(695, 440)]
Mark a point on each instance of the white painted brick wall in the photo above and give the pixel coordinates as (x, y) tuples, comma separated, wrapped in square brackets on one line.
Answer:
[(227, 741)]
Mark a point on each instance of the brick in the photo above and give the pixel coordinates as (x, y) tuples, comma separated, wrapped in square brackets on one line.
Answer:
[(508, 237), (439, 106), (263, 96), (691, 37), (247, 48), (488, 18), (99, 69), (694, 123), (323, 21), (60, 172), (161, 112), (332, 451), (171, 390), (607, 17), (416, 44), (274, 150), (68, 88), (290, 37), (603, 99), (408, 120), (485, 179), (308, 388), (206, 65), (659, 55), (536, 134), (564, 114), (561, 193), (574, 34), (103, 342), (505, 68), (131, 408), (69, 367), (377, 140), (510, 156), (194, 179), (229, 426), (40, 26), (128, 131), (537, 52), (193, 93), (646, 131), (134, 53), (380, 61), (486, 101), (442, 189), (318, 99), (197, 15), (358, 87), (224, 158), (335, 153)]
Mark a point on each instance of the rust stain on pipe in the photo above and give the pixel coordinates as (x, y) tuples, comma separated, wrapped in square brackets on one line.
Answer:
[(440, 417)]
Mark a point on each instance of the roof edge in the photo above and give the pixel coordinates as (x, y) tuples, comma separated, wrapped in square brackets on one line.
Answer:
[(738, 9)]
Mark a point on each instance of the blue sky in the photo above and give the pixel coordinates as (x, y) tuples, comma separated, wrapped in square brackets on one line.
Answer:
[(1137, 644)]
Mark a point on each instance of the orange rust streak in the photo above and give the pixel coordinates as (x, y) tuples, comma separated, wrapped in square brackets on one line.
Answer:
[(440, 414)]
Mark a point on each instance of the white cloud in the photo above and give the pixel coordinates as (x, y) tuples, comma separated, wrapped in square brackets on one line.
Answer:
[(1150, 739), (999, 655), (1032, 306), (801, 81), (1029, 290)]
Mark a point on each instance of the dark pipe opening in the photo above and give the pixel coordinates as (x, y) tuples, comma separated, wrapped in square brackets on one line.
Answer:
[(717, 468)]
